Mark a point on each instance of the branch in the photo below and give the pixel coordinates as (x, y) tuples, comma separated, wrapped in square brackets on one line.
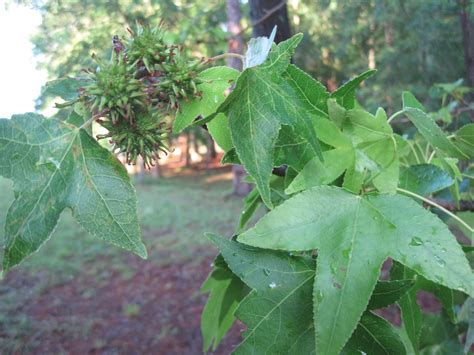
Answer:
[(269, 13), (280, 171)]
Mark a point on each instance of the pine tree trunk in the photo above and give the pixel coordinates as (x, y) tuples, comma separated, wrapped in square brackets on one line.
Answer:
[(236, 45), (266, 14), (467, 27)]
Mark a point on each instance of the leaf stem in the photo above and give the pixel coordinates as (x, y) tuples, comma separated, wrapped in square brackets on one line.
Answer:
[(434, 204), (398, 113), (227, 55)]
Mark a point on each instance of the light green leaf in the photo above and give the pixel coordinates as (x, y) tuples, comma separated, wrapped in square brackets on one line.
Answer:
[(345, 95), (374, 336), (55, 165), (424, 179), (329, 133), (220, 132), (291, 149), (409, 100), (226, 291), (216, 81), (337, 113), (432, 133), (278, 311), (354, 235), (316, 173)]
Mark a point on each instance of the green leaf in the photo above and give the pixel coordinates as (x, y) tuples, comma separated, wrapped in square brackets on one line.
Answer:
[(226, 291), (432, 133), (337, 113), (312, 93), (65, 88), (220, 132), (55, 165), (410, 310), (345, 95), (374, 336), (439, 336), (464, 140), (316, 172), (354, 235), (291, 149), (260, 103), (424, 179), (251, 203), (388, 292), (467, 315), (278, 311), (409, 100), (216, 81)]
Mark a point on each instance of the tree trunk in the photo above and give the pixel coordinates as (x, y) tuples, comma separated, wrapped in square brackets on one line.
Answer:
[(236, 45), (266, 14), (467, 27)]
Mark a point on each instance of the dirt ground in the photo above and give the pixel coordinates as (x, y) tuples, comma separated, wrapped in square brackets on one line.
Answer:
[(163, 318)]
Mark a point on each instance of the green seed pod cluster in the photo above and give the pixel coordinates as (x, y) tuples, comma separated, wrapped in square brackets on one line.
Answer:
[(146, 138), (146, 45), (130, 95), (114, 90)]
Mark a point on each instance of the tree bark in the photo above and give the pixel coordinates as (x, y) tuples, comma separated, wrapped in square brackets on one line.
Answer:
[(266, 14), (467, 27), (236, 45)]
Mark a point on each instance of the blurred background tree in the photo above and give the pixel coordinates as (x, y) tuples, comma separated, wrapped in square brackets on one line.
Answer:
[(414, 44)]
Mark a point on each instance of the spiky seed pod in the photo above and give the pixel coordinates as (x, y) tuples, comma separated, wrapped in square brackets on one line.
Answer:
[(146, 45)]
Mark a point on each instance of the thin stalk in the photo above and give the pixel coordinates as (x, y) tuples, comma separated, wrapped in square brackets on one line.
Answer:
[(431, 157), (227, 55), (434, 204), (398, 113)]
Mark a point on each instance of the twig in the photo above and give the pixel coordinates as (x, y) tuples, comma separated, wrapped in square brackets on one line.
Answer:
[(438, 206), (269, 13)]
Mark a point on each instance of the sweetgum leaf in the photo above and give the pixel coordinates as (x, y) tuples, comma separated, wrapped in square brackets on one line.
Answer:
[(226, 291), (55, 165), (428, 127), (345, 95), (464, 139), (374, 336), (260, 103), (278, 312), (388, 292), (216, 81), (352, 242), (65, 88), (424, 179)]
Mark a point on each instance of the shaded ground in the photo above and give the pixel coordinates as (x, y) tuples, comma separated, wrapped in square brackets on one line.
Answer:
[(78, 295)]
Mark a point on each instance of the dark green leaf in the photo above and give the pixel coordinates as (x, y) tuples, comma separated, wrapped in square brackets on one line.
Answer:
[(374, 336), (226, 291), (278, 312), (260, 103), (388, 292)]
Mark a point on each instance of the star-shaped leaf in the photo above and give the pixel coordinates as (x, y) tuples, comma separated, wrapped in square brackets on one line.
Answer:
[(353, 236), (261, 102), (55, 165)]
